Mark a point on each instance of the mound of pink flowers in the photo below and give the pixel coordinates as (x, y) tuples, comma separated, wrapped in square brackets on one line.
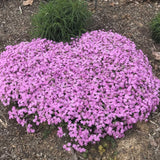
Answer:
[(98, 85)]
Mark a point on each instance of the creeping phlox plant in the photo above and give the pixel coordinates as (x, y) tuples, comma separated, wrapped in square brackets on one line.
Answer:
[(97, 85)]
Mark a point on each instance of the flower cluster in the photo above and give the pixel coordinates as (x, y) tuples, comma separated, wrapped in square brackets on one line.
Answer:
[(97, 85)]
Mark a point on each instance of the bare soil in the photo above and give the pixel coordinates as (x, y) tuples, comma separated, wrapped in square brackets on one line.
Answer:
[(130, 18)]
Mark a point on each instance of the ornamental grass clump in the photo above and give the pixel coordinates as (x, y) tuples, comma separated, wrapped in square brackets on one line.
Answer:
[(59, 20), (98, 85), (155, 28)]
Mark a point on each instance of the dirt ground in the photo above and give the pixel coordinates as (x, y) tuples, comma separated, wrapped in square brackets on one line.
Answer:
[(130, 18)]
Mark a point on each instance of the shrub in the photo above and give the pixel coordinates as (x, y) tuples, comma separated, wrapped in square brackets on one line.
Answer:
[(59, 20), (98, 85), (155, 28)]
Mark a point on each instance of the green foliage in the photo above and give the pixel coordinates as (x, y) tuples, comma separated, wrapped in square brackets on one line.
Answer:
[(47, 131), (85, 154), (59, 20), (155, 28)]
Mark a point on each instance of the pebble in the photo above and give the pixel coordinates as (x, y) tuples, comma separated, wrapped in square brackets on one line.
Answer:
[(152, 141), (104, 158), (139, 24)]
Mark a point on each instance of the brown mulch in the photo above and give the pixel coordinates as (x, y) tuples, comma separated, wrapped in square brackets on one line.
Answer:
[(130, 18)]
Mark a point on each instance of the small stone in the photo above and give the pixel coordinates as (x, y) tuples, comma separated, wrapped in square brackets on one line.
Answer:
[(51, 148), (156, 55), (27, 2), (152, 141), (104, 158), (139, 24), (126, 16), (115, 16), (113, 4)]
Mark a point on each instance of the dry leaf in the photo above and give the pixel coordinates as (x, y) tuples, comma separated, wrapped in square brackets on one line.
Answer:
[(156, 55), (27, 2)]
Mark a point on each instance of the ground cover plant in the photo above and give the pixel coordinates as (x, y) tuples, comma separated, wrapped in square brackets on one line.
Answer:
[(98, 85), (59, 20)]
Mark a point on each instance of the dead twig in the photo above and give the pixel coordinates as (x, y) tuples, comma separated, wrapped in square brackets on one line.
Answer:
[(5, 125), (154, 123)]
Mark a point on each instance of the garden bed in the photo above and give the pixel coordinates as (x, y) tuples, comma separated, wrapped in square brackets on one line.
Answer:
[(130, 19)]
